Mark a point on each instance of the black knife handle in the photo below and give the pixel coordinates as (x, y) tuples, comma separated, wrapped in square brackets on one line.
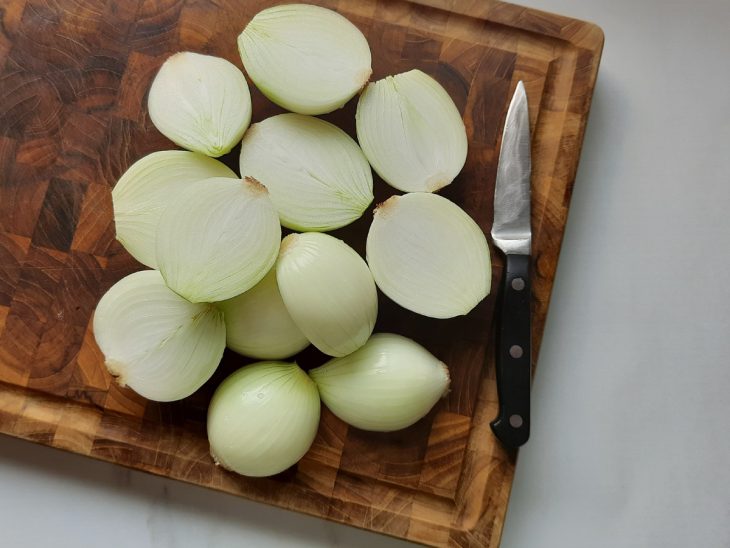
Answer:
[(512, 425)]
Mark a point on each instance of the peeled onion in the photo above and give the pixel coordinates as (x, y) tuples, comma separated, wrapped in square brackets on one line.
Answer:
[(305, 58), (154, 341), (200, 102), (328, 290), (428, 255), (388, 384), (263, 418), (217, 238), (411, 132), (258, 324), (317, 176), (141, 195)]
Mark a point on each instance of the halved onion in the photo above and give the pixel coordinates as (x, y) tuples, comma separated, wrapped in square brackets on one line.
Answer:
[(411, 132), (200, 102), (305, 58), (328, 290), (317, 176), (141, 195), (258, 324), (428, 255), (388, 384), (154, 341), (263, 418), (217, 238)]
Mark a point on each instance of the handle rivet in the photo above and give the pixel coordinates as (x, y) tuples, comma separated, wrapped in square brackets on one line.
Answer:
[(518, 284), (515, 351), (515, 421)]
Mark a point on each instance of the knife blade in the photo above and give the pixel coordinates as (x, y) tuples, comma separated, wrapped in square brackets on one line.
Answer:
[(511, 232)]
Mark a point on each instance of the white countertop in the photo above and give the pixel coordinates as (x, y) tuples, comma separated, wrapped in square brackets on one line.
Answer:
[(631, 416)]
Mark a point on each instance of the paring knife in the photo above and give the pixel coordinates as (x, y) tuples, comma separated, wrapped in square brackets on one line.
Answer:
[(512, 234)]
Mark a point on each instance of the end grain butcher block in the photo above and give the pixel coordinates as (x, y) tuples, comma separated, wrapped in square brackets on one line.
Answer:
[(73, 84)]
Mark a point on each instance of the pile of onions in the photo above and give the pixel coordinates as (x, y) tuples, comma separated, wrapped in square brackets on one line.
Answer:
[(224, 276)]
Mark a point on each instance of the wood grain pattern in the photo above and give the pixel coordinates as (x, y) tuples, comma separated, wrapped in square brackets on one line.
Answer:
[(73, 84)]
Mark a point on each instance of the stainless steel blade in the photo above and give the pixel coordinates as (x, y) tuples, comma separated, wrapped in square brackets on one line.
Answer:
[(511, 230)]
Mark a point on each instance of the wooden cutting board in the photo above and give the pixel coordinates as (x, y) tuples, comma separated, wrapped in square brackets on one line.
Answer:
[(73, 84)]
